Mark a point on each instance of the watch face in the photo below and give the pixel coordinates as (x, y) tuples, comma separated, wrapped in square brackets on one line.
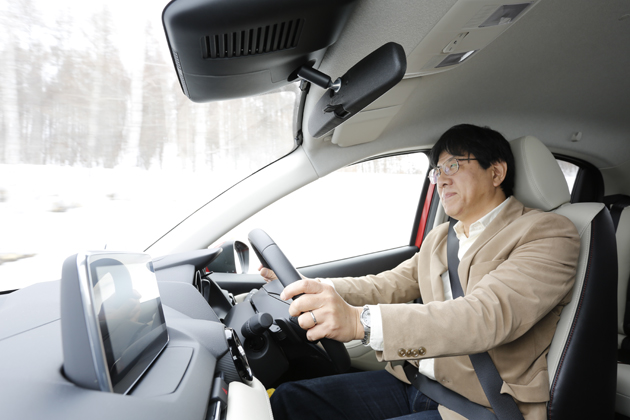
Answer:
[(365, 316)]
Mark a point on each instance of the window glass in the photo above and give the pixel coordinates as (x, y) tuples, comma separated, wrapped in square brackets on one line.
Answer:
[(98, 144), (363, 208), (570, 172)]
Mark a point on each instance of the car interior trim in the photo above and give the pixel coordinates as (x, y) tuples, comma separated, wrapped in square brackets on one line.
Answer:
[(361, 265), (425, 214)]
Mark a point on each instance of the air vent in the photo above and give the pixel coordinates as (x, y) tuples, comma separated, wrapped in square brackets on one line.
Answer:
[(276, 37)]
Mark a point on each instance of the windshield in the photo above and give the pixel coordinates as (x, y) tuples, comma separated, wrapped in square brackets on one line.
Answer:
[(99, 148)]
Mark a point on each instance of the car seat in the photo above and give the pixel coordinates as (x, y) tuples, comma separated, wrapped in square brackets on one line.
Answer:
[(582, 356), (620, 212)]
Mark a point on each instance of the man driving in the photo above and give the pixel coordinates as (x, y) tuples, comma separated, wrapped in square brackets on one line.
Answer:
[(516, 267)]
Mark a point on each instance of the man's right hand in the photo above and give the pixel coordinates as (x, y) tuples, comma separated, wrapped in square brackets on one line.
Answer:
[(322, 312)]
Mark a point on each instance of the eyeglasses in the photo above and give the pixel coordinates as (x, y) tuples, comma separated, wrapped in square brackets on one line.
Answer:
[(450, 167)]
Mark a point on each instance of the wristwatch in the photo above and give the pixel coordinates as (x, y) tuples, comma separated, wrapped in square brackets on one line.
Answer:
[(366, 322)]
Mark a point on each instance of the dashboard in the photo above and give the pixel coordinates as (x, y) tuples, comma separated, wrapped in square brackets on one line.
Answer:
[(202, 373)]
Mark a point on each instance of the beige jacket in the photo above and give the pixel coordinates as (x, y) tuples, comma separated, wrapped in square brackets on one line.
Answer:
[(517, 277)]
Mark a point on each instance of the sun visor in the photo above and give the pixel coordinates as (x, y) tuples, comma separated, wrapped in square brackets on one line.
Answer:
[(224, 49)]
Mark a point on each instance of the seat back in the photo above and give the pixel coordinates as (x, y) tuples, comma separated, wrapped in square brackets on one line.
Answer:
[(582, 355), (620, 212)]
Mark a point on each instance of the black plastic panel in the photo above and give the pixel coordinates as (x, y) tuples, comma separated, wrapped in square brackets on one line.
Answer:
[(363, 265), (226, 49), (187, 300), (165, 377)]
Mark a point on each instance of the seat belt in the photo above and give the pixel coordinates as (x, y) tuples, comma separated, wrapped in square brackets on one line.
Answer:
[(504, 406), (446, 397)]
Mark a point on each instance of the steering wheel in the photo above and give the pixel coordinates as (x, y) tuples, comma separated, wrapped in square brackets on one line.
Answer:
[(272, 257)]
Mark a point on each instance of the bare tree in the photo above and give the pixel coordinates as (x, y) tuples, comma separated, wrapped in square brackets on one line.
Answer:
[(9, 69), (108, 95), (153, 133)]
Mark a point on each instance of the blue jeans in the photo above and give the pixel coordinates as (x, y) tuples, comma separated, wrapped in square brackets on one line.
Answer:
[(373, 395)]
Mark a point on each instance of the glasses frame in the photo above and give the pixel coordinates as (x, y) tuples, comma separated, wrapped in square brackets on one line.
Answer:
[(434, 174)]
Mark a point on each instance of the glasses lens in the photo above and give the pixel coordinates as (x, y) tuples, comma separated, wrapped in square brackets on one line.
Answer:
[(433, 176), (450, 166)]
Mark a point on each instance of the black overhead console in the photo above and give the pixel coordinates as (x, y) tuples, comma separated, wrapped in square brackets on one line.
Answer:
[(225, 49)]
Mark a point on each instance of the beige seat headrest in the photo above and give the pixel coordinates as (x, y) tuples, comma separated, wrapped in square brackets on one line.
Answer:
[(539, 181)]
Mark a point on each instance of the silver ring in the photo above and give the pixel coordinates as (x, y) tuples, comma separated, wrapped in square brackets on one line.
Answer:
[(313, 316)]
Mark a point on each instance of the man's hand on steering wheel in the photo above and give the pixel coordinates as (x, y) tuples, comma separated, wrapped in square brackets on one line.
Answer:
[(322, 312), (338, 319)]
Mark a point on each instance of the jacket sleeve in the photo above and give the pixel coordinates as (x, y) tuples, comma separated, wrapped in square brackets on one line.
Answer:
[(397, 285)]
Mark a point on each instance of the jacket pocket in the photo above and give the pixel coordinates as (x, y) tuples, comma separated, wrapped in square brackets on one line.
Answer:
[(536, 391)]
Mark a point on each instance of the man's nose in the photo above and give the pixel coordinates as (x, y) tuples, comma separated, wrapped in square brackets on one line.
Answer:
[(443, 179)]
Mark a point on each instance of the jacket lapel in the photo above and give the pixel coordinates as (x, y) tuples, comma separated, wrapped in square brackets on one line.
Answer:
[(438, 266), (512, 211)]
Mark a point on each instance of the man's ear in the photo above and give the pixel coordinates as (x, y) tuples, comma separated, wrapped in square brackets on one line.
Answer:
[(499, 171)]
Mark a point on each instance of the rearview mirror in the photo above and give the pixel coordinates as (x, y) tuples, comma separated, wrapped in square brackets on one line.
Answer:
[(361, 85)]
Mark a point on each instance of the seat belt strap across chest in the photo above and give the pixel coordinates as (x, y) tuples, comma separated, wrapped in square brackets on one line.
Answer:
[(503, 405)]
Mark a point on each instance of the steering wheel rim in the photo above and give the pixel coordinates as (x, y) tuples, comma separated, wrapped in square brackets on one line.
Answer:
[(272, 257)]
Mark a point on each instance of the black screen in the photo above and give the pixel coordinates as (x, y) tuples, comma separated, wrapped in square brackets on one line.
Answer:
[(129, 312)]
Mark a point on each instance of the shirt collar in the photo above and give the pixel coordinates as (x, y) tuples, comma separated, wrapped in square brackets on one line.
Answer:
[(477, 227)]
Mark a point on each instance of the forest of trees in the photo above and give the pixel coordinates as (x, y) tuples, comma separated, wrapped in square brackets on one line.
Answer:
[(67, 104)]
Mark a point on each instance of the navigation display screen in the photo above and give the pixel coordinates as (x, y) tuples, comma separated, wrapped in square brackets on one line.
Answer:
[(128, 310)]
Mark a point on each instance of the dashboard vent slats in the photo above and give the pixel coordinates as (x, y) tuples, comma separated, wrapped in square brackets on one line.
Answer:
[(254, 41)]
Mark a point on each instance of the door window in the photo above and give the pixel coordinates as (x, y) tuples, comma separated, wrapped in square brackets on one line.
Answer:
[(363, 208), (570, 172)]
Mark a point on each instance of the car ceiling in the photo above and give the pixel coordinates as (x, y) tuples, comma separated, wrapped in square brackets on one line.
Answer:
[(562, 68)]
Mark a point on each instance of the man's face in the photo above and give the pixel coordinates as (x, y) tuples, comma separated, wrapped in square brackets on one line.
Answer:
[(472, 191)]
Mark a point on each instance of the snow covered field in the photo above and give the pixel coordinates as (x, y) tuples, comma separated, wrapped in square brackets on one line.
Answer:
[(54, 212)]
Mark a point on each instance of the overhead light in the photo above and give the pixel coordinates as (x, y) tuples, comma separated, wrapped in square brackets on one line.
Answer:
[(465, 56), (505, 14), (453, 59)]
